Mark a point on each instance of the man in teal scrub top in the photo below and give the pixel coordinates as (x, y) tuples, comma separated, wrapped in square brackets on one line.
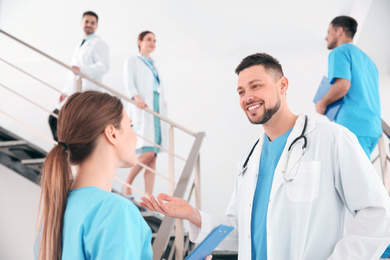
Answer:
[(355, 78)]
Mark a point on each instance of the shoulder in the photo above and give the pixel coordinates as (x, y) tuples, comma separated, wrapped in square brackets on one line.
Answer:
[(133, 60), (117, 202), (330, 129), (346, 49), (97, 41)]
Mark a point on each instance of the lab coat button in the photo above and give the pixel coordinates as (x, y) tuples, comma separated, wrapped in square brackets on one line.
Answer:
[(250, 204)]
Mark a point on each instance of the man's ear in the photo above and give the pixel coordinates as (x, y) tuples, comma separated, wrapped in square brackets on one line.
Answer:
[(111, 134), (340, 31), (283, 85)]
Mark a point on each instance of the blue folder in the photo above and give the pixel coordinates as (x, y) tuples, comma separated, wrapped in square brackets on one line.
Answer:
[(332, 109), (210, 243)]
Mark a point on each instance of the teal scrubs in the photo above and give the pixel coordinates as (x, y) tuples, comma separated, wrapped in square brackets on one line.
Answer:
[(102, 225), (156, 106), (361, 112), (270, 156)]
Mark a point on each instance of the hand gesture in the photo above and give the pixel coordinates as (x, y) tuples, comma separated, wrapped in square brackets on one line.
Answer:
[(172, 207)]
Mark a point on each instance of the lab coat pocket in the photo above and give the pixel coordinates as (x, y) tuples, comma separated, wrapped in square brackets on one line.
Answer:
[(305, 187)]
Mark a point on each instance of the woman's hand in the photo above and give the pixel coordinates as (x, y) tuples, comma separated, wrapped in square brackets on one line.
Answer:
[(139, 102), (172, 207)]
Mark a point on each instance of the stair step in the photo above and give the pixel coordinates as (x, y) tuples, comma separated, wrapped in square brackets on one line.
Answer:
[(35, 164), (33, 161), (13, 143)]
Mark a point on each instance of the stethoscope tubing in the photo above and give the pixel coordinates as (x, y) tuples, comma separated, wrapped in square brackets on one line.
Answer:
[(304, 146)]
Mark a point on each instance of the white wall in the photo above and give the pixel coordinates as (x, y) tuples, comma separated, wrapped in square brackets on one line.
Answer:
[(17, 220), (199, 44)]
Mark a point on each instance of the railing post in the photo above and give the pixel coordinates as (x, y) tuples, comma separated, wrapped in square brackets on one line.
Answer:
[(163, 234), (79, 82), (198, 203), (171, 162), (179, 240), (383, 161)]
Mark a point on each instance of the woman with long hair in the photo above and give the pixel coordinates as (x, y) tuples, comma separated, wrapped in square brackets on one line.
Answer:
[(79, 217), (143, 84)]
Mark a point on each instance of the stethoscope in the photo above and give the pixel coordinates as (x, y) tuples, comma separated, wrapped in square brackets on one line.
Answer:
[(304, 146)]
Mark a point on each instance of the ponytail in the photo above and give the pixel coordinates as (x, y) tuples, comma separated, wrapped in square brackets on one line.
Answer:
[(55, 184)]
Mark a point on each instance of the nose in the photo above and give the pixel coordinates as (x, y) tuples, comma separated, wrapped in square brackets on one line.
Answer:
[(247, 98)]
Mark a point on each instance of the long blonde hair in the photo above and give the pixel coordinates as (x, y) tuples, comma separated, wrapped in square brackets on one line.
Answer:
[(80, 122)]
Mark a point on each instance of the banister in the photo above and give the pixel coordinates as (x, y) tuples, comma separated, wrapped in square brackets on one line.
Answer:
[(386, 128), (117, 93), (29, 100), (162, 237), (29, 127), (28, 74)]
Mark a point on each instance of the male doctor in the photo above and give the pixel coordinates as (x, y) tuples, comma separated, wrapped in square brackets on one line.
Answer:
[(290, 201), (90, 57)]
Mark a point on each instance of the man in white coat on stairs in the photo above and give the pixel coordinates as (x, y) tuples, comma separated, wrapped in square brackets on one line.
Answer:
[(91, 57), (294, 185)]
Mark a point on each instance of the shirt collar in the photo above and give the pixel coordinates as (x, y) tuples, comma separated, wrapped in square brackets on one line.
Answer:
[(89, 37)]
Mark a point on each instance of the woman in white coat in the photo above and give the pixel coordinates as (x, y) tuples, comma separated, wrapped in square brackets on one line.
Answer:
[(142, 83)]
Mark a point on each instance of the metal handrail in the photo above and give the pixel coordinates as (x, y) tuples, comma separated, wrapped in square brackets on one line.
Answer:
[(27, 99), (160, 147), (386, 128), (117, 93), (29, 127), (28, 74)]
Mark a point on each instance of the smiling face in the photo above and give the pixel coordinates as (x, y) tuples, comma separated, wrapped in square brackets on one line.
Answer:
[(89, 24), (127, 144), (148, 43), (259, 93)]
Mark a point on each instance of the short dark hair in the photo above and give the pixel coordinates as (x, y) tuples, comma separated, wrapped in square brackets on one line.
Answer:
[(141, 37), (348, 24), (91, 13), (267, 61)]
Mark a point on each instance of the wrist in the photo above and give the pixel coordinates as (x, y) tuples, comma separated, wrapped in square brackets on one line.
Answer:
[(195, 217)]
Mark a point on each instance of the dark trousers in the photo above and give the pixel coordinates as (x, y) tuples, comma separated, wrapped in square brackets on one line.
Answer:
[(53, 124)]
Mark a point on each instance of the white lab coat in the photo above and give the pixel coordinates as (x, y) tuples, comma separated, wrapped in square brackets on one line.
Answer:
[(93, 59), (139, 79), (305, 218)]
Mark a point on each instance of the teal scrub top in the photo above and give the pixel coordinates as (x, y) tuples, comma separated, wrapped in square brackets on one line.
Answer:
[(270, 155), (102, 225), (361, 112)]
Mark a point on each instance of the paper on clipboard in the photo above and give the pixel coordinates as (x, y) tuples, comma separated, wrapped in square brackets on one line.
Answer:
[(332, 109), (210, 243)]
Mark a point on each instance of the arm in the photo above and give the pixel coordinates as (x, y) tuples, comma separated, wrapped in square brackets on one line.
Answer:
[(130, 74), (101, 60), (338, 90), (366, 199)]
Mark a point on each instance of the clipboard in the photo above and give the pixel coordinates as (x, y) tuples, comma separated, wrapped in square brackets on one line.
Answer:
[(332, 109), (210, 243)]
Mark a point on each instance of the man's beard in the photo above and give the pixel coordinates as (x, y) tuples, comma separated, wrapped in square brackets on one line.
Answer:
[(268, 113), (332, 45)]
